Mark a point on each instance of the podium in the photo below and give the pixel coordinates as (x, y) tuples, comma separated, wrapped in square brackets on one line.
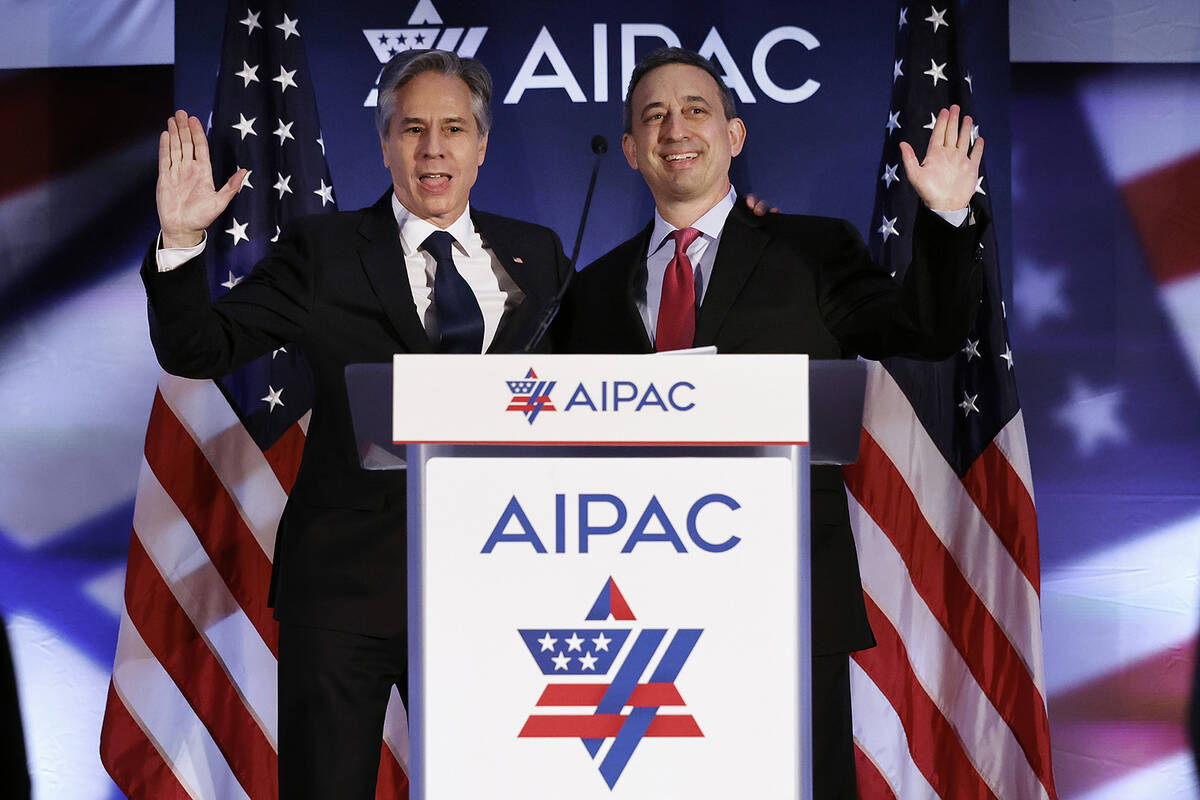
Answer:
[(608, 569)]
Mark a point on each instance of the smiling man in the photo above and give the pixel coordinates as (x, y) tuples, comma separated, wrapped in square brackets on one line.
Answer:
[(706, 271), (419, 271)]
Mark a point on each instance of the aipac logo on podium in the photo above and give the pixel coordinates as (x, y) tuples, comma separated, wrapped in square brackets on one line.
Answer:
[(636, 681), (530, 395)]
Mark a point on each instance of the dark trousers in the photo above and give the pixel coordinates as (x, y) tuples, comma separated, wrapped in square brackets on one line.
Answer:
[(833, 732), (333, 692)]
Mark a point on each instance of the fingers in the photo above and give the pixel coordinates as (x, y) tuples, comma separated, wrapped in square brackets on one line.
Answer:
[(951, 130), (232, 187), (224, 195), (976, 157), (199, 140), (909, 157), (164, 152), (174, 148), (183, 140), (964, 134), (185, 135), (937, 137), (760, 207)]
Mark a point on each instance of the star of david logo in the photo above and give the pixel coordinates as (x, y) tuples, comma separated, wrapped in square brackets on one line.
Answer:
[(626, 674), (424, 32), (530, 395)]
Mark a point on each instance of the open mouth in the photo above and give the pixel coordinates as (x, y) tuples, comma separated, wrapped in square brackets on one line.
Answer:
[(674, 158), (434, 180)]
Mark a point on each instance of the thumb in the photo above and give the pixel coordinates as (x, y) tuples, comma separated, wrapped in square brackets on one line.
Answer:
[(231, 187)]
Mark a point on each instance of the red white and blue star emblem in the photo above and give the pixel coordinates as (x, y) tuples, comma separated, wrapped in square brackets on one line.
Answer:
[(638, 681), (531, 396)]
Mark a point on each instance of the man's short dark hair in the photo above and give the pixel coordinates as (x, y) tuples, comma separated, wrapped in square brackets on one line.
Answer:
[(409, 64), (675, 55)]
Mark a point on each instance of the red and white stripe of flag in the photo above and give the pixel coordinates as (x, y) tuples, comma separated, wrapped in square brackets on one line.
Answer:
[(951, 703), (192, 703), (1147, 128)]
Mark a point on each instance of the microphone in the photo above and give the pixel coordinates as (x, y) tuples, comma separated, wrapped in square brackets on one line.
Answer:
[(599, 147)]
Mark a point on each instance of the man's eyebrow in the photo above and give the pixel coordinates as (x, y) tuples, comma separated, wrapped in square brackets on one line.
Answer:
[(654, 104), (691, 98), (421, 121)]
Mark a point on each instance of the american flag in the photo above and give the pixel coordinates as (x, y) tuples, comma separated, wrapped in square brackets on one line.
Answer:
[(951, 703), (1106, 305), (191, 707)]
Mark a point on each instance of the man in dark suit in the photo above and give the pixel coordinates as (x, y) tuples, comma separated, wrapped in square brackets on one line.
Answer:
[(418, 272), (706, 271)]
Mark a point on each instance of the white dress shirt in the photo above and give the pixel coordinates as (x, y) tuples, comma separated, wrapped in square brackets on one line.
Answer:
[(702, 252), (493, 287)]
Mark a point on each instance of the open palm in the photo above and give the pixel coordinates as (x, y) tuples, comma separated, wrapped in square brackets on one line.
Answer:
[(947, 178), (187, 200)]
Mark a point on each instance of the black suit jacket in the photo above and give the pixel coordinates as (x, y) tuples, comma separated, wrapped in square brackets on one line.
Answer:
[(336, 284), (799, 284)]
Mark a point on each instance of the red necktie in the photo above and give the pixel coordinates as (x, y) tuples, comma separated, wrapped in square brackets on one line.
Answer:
[(677, 310)]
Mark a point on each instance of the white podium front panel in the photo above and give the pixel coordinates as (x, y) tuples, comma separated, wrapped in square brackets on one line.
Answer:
[(610, 628)]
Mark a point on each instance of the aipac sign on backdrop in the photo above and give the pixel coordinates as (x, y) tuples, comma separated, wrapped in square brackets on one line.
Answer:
[(545, 68)]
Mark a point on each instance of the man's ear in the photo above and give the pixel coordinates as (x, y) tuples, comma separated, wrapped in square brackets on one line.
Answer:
[(383, 148), (629, 148), (737, 136)]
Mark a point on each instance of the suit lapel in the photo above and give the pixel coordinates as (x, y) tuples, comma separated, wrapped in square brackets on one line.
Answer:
[(383, 260), (742, 243), (635, 284), (517, 323)]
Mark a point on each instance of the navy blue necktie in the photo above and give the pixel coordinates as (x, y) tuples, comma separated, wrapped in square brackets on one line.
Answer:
[(460, 321)]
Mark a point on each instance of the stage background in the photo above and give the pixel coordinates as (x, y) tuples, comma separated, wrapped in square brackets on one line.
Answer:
[(1104, 334)]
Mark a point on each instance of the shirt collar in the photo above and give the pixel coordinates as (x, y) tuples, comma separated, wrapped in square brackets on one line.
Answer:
[(709, 225), (414, 230)]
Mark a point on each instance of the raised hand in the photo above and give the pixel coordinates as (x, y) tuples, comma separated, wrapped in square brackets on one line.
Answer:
[(947, 178), (187, 201)]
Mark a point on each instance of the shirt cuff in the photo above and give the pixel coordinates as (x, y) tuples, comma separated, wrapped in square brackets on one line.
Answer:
[(168, 258), (955, 218)]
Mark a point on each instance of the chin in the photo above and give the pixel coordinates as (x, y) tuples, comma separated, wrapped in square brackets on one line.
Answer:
[(685, 189)]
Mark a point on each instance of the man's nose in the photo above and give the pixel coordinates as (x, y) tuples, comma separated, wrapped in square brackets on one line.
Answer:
[(672, 128), (432, 144)]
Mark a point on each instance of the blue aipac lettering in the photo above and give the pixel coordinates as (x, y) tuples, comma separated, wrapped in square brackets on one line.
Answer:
[(513, 511), (606, 514), (613, 396)]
